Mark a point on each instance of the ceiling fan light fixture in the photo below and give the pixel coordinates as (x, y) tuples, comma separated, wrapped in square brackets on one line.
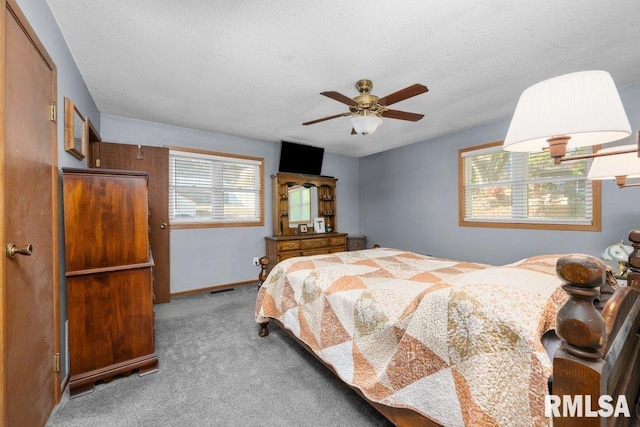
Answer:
[(365, 124)]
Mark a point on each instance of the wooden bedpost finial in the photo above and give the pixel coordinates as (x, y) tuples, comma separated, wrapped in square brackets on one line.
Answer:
[(633, 274), (578, 323), (264, 262)]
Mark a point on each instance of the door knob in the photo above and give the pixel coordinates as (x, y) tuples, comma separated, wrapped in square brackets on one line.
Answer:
[(13, 250), (163, 225)]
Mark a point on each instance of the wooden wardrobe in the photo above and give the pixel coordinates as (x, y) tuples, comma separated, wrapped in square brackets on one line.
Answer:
[(109, 277)]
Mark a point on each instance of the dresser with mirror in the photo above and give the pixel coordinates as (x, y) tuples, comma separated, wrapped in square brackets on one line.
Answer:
[(303, 206)]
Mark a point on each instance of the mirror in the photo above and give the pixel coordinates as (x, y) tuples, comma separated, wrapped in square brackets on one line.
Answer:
[(303, 204)]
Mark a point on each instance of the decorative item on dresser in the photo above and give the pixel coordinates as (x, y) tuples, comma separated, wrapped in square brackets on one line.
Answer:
[(109, 281), (296, 213)]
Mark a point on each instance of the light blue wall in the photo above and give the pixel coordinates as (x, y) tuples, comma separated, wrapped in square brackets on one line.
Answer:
[(69, 84), (409, 200), (205, 257)]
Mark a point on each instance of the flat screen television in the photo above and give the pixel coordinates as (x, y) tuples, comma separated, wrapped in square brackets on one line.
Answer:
[(300, 158)]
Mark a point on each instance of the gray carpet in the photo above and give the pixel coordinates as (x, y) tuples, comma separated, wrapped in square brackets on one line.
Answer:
[(216, 371)]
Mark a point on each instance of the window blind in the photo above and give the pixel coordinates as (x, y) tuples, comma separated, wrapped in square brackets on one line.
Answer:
[(214, 189), (502, 186)]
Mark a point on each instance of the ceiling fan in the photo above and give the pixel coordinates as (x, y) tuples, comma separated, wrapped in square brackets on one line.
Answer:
[(366, 110)]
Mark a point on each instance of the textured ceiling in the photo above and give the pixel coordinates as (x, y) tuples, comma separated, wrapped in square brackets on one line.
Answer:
[(255, 68)]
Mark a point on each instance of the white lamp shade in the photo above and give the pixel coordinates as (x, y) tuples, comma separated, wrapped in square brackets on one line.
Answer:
[(585, 106), (366, 124), (608, 167)]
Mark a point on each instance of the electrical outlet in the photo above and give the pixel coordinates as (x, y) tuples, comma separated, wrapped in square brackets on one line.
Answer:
[(256, 260)]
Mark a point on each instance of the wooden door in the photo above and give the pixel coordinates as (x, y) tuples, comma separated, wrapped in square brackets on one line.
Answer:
[(155, 161), (29, 330)]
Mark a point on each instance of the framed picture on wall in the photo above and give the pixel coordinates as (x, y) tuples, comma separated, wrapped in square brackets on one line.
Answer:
[(76, 131), (318, 225)]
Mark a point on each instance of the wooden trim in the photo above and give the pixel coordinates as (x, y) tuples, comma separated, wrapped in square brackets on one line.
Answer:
[(109, 269), (94, 135), (83, 383), (479, 147), (214, 288), (215, 153), (93, 172), (3, 259), (56, 226), (596, 221), (14, 9), (93, 144)]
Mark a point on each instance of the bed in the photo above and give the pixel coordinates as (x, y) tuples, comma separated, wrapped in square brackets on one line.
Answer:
[(430, 341)]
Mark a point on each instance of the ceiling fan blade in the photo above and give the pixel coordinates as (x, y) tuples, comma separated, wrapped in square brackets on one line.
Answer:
[(326, 118), (402, 115), (403, 94), (340, 98)]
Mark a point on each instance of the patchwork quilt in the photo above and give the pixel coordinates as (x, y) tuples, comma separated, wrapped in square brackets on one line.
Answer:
[(458, 342)]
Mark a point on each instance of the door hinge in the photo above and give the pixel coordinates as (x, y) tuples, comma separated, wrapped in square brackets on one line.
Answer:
[(53, 113), (56, 362)]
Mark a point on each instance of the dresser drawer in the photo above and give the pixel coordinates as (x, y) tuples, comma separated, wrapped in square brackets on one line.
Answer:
[(289, 245), (321, 251), (315, 243), (338, 241), (286, 255)]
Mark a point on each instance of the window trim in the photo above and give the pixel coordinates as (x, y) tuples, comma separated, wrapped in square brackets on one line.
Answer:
[(202, 224), (596, 222)]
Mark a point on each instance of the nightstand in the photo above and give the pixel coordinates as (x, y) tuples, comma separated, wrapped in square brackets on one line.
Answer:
[(355, 243)]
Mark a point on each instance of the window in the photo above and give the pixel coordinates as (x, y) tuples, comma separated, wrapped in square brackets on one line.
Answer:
[(526, 190), (214, 189), (299, 205)]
